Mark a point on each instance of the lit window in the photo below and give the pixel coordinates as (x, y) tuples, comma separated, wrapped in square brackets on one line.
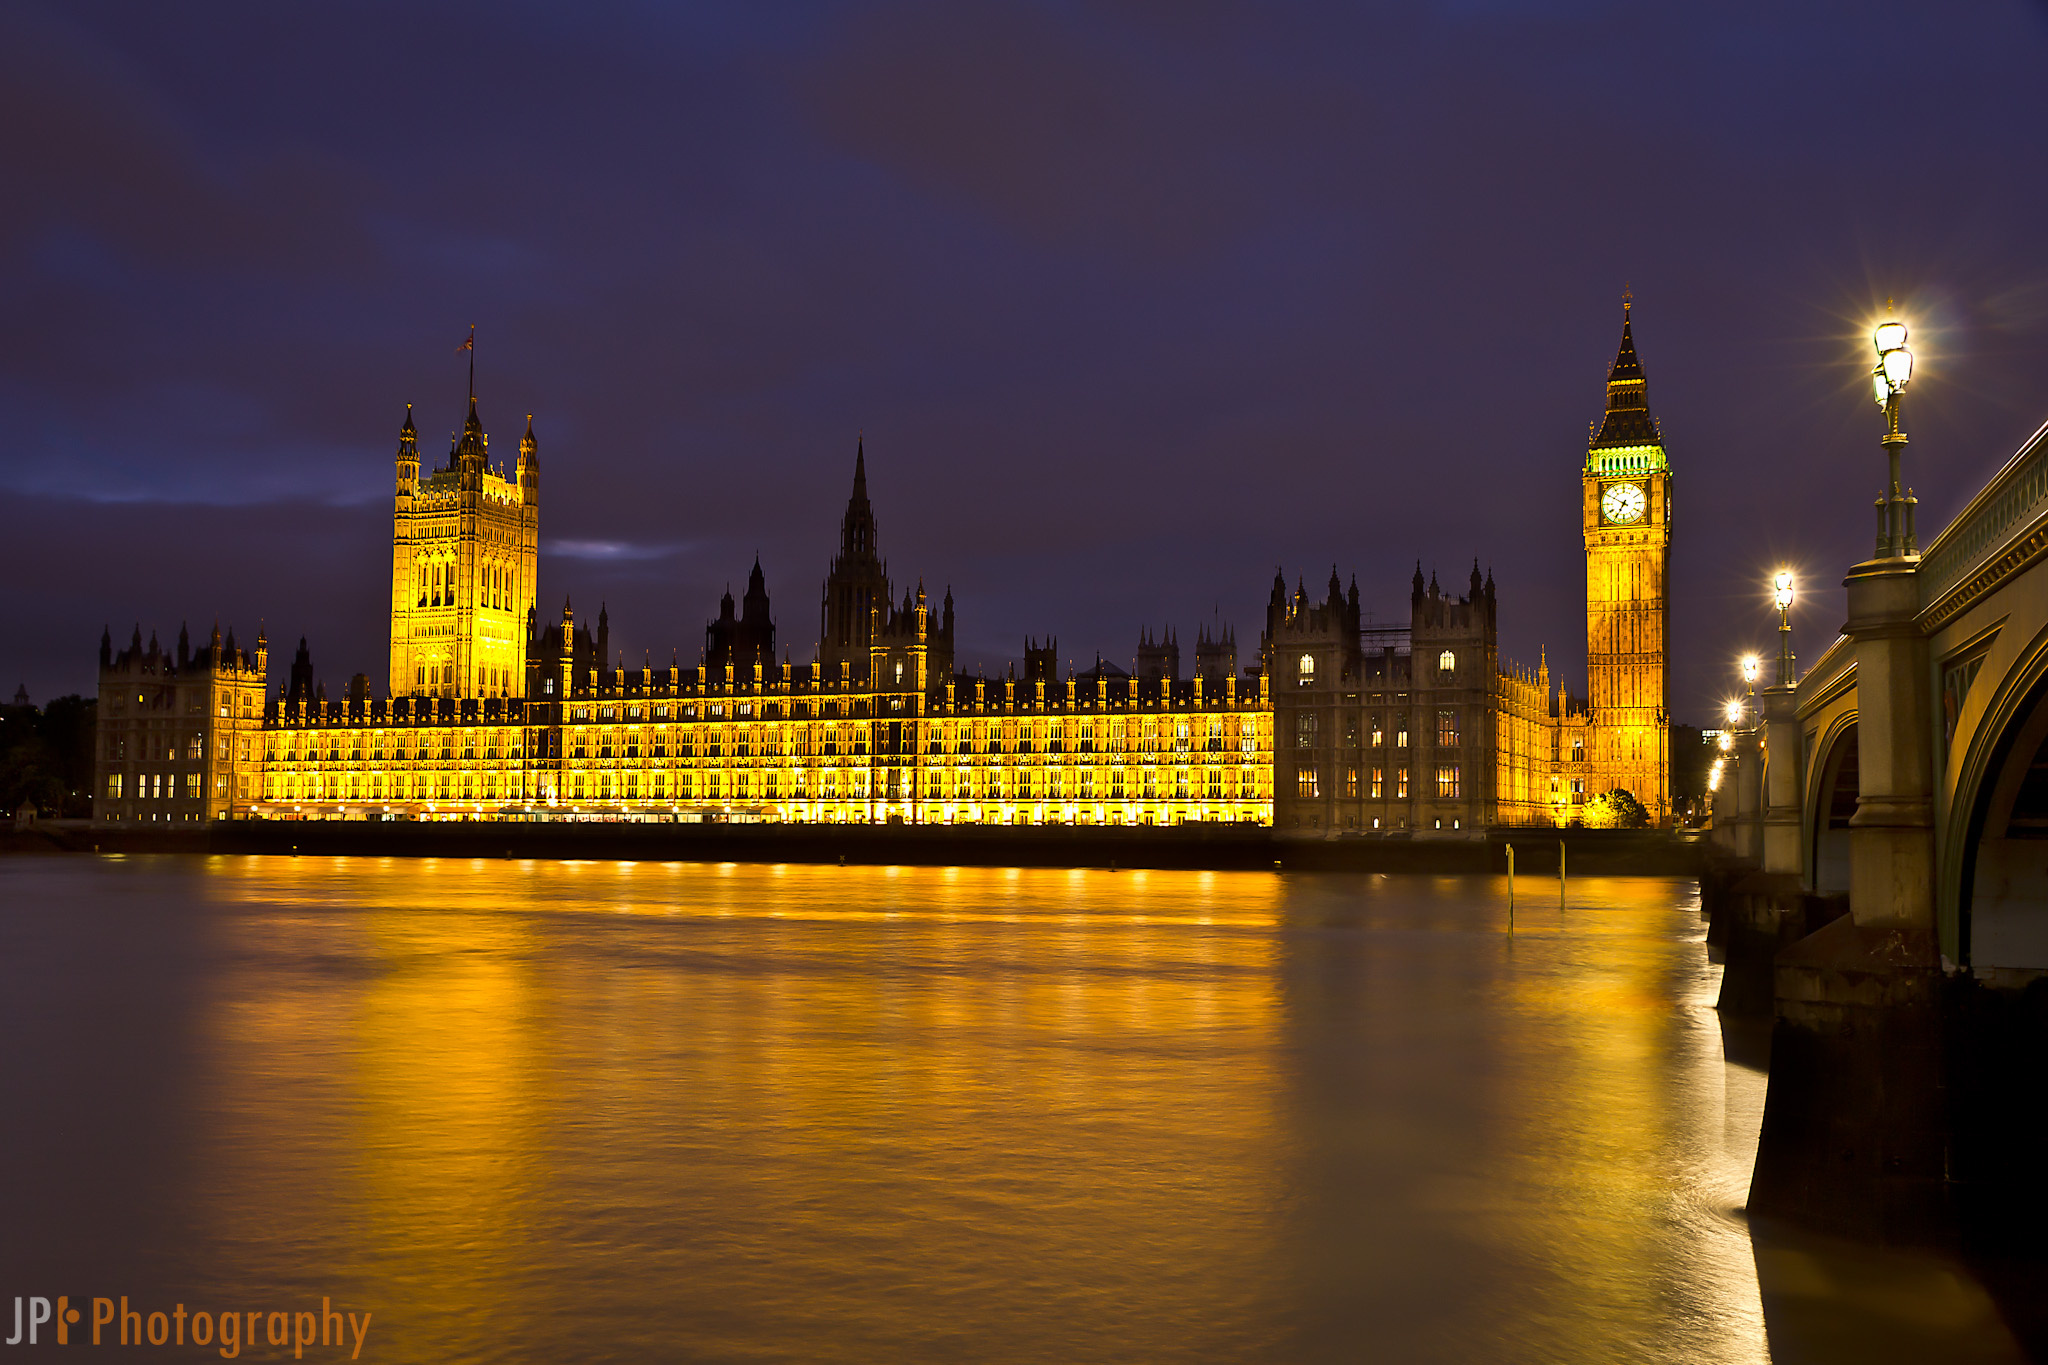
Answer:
[(1447, 779), (1446, 662)]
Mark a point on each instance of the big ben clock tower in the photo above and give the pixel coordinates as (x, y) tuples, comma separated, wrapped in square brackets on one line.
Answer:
[(1626, 513)]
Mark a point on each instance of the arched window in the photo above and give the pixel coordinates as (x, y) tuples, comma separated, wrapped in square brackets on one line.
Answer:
[(1308, 665), (1446, 662)]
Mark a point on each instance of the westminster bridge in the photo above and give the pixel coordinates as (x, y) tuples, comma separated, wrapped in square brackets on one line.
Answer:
[(1885, 821)]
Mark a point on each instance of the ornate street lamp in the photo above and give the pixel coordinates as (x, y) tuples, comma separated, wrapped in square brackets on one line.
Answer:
[(1751, 666), (1781, 597), (1888, 380)]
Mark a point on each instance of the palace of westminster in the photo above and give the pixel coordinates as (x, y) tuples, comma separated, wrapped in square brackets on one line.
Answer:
[(496, 712)]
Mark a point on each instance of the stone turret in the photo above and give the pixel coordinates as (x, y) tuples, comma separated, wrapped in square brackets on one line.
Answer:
[(1215, 655), (1158, 656)]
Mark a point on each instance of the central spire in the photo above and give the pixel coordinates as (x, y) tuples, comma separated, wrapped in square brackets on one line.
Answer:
[(857, 528)]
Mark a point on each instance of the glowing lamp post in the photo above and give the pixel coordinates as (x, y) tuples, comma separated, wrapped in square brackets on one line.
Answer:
[(1750, 667), (1781, 598), (1888, 380)]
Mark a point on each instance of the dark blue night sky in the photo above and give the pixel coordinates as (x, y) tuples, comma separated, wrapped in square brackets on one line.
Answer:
[(1132, 301)]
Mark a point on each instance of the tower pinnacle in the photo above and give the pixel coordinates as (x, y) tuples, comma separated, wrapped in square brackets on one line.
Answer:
[(1627, 421)]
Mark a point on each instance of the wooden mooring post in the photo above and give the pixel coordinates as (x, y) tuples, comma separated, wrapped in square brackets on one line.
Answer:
[(1511, 888)]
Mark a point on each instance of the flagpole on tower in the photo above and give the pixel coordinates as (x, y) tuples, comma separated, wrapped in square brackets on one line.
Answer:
[(470, 346)]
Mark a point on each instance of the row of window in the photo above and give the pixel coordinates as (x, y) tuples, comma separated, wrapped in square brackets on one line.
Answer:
[(242, 702), (158, 786), (150, 746), (1305, 667), (425, 745), (435, 584), (1308, 726), (438, 679), (768, 746), (959, 738), (1308, 783), (859, 784)]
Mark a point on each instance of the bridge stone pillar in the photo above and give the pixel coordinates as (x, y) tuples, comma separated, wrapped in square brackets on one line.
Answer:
[(1855, 1129), (1749, 795), (1760, 911), (1722, 803), (1891, 836), (1781, 851)]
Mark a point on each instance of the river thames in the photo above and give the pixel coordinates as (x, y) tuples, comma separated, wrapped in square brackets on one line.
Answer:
[(525, 1111)]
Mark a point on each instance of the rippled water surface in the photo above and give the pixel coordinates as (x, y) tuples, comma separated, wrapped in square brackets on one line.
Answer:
[(547, 1111)]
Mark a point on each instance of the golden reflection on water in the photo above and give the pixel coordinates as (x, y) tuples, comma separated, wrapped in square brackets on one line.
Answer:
[(815, 1099), (578, 1111)]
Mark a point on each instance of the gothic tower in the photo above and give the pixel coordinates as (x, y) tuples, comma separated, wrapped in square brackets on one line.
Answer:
[(858, 586), (465, 550), (1626, 515)]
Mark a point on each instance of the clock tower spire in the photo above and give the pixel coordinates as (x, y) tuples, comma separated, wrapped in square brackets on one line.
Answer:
[(1625, 512)]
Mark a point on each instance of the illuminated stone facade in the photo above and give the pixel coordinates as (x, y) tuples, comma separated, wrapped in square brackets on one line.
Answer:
[(1336, 729), (674, 744)]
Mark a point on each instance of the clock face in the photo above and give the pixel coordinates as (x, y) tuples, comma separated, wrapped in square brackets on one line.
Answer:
[(1622, 503)]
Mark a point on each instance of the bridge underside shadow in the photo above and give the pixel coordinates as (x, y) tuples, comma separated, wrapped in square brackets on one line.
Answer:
[(2003, 914), (1998, 1016)]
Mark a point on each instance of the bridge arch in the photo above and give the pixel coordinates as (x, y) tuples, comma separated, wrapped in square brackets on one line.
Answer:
[(1831, 800), (1997, 866)]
